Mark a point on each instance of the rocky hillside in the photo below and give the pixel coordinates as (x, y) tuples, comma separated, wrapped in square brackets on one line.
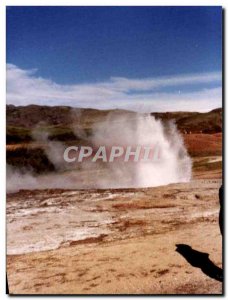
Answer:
[(58, 120), (195, 122)]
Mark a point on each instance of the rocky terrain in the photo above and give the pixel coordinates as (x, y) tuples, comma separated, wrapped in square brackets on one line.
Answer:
[(120, 241), (26, 117)]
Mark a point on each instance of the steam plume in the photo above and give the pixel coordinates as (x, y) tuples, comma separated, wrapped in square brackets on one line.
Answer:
[(174, 164)]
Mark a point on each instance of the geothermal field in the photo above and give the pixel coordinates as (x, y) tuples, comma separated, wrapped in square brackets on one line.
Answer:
[(113, 227)]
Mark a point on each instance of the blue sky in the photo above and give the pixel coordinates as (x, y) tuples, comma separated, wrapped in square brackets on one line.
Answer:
[(97, 56)]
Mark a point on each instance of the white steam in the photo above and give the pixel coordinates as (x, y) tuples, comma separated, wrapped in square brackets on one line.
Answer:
[(174, 164)]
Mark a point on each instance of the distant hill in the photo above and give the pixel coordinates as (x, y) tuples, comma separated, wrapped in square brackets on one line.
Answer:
[(58, 120), (31, 115), (195, 122)]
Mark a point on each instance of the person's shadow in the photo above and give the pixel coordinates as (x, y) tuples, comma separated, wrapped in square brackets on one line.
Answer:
[(200, 260)]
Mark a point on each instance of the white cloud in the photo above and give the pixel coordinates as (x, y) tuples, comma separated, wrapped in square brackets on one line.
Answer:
[(24, 87)]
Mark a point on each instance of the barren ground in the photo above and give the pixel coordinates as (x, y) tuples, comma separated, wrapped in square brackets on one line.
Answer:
[(115, 241)]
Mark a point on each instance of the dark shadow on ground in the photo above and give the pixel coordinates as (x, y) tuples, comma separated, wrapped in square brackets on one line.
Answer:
[(200, 260)]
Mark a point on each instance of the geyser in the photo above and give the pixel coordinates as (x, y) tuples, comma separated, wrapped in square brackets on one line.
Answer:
[(126, 131), (174, 164)]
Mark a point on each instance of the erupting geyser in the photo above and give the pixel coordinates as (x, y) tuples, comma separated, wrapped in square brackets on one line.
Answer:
[(171, 164), (169, 161)]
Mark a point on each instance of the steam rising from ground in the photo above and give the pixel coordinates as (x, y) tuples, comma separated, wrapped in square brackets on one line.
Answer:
[(174, 164)]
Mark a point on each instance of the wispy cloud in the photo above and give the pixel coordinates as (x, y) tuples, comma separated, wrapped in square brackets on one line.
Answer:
[(25, 87)]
